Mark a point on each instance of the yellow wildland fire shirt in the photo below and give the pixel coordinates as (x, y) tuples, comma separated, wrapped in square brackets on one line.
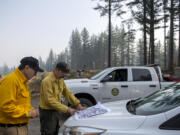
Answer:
[(51, 92), (14, 99)]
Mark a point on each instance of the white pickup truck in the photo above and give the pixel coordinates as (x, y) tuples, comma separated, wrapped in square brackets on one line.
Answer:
[(117, 83)]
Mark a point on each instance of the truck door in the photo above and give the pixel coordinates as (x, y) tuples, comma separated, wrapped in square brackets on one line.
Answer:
[(116, 87), (143, 82)]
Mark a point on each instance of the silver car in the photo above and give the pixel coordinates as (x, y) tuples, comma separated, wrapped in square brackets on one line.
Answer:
[(156, 114)]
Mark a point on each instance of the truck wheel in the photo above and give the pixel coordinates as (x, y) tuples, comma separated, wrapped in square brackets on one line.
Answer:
[(85, 102)]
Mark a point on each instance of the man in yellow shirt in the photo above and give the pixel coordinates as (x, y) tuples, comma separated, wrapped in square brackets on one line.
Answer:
[(52, 88), (15, 98)]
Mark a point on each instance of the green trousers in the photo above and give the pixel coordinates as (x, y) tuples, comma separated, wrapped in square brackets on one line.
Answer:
[(14, 130), (49, 121)]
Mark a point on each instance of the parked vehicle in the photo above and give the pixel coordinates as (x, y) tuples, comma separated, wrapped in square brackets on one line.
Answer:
[(171, 78), (118, 83), (156, 114)]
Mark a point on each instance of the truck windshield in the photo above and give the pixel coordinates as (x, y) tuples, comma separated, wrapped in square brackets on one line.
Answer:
[(158, 102), (99, 74)]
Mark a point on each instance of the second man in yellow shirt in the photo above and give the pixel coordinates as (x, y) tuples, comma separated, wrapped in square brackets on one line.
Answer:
[(52, 88)]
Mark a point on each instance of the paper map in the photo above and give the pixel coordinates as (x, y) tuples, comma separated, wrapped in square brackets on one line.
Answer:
[(91, 111)]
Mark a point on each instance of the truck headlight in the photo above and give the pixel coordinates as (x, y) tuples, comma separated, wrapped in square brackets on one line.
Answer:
[(82, 131)]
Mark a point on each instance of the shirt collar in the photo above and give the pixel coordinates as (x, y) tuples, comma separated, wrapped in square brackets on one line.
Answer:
[(53, 77), (21, 75)]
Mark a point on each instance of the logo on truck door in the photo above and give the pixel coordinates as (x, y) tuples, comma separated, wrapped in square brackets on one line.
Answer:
[(114, 91)]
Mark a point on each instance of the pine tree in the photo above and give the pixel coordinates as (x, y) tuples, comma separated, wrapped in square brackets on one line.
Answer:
[(149, 15), (140, 54), (75, 44), (130, 36), (41, 63), (50, 63), (5, 69), (85, 48), (94, 44)]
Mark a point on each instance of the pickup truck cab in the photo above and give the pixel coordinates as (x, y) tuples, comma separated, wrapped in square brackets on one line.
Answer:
[(117, 83)]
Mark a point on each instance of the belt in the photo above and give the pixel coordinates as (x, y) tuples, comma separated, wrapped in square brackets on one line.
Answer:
[(12, 125), (50, 110)]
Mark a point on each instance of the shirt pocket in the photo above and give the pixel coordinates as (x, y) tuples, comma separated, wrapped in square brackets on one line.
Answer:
[(58, 93), (24, 97), (55, 90), (23, 93)]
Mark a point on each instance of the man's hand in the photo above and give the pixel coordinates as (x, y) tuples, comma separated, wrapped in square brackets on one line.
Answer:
[(33, 113), (71, 110), (80, 107)]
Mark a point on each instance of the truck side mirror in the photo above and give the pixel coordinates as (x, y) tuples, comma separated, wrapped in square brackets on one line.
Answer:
[(107, 78)]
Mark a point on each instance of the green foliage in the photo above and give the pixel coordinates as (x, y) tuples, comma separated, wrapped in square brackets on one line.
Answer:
[(117, 7)]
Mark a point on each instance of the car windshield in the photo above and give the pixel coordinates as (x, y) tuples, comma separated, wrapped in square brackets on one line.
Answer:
[(99, 74), (161, 101)]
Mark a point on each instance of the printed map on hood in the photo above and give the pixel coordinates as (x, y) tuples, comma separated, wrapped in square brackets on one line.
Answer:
[(91, 111)]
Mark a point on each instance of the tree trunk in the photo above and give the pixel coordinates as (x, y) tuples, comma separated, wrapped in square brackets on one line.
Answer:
[(152, 32), (165, 49), (179, 37), (145, 46), (128, 52), (109, 49), (171, 43)]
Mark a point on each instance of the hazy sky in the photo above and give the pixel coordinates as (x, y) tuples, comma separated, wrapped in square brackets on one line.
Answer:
[(33, 27)]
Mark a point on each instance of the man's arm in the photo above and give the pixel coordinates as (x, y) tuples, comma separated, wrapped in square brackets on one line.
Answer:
[(71, 98)]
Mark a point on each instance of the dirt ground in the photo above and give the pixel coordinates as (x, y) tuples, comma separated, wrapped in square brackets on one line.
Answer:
[(34, 124)]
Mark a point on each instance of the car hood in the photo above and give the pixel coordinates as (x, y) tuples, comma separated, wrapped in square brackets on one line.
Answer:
[(117, 118)]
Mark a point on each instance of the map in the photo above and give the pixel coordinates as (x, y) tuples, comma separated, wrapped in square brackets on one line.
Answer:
[(91, 111)]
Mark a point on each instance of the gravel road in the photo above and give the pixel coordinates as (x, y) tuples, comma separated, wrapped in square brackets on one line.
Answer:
[(34, 124)]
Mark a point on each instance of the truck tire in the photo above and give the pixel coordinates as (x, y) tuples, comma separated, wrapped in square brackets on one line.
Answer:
[(85, 102)]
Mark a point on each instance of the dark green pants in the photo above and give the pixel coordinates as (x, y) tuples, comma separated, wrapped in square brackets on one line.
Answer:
[(49, 121)]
